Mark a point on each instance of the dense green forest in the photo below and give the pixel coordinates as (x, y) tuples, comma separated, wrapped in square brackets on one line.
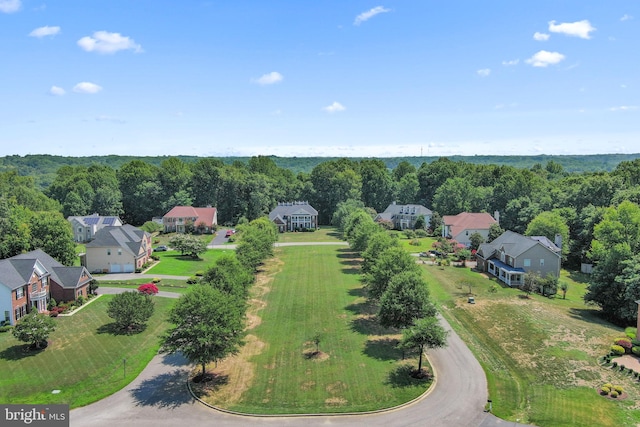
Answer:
[(596, 211), (43, 167)]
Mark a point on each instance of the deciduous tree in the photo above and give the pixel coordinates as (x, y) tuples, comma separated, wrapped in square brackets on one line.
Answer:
[(426, 333), (34, 328), (130, 310), (405, 300)]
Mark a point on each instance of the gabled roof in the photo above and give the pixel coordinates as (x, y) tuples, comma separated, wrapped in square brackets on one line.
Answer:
[(206, 215), (17, 271), (514, 245), (395, 209), (292, 208), (95, 220), (468, 221), (127, 237)]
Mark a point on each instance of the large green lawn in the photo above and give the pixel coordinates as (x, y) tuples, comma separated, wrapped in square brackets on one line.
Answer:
[(324, 234), (539, 354), (318, 290), (175, 264), (84, 359)]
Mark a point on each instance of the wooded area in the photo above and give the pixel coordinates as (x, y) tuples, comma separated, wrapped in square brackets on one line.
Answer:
[(596, 212)]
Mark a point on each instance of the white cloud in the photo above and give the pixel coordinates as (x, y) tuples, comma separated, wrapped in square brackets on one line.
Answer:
[(624, 108), (544, 58), (511, 62), (44, 31), (626, 17), (57, 91), (365, 16), (334, 108), (269, 78), (484, 72), (541, 37), (106, 42), (10, 6), (87, 87), (577, 29)]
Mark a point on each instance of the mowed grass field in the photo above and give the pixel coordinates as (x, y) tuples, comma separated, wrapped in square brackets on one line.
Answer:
[(175, 264), (540, 355), (84, 360), (324, 234), (311, 290)]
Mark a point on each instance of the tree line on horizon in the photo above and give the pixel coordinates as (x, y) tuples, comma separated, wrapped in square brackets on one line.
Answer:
[(557, 201)]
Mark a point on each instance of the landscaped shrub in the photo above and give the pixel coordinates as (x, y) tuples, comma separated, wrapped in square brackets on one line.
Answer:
[(631, 332), (605, 390), (614, 364), (617, 350), (5, 328), (614, 394), (53, 314), (148, 288), (618, 388), (192, 280), (199, 273), (422, 233), (415, 242), (156, 280), (80, 300), (622, 368), (52, 303), (635, 350), (624, 343)]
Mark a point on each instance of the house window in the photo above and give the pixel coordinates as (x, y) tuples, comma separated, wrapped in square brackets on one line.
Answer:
[(541, 262), (6, 316), (19, 292), (119, 251), (527, 262), (34, 287), (108, 251)]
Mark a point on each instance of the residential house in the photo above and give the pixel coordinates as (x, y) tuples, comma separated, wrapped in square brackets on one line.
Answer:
[(182, 219), (117, 250), (28, 281), (85, 227), (405, 216), (460, 227), (294, 216), (510, 256)]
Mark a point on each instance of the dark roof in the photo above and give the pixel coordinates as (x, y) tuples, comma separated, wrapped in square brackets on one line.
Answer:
[(515, 244), (127, 237), (17, 271), (95, 219), (292, 208), (395, 209)]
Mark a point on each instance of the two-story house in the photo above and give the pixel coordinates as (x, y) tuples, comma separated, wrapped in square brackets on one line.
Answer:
[(28, 281), (404, 216), (511, 256), (85, 227), (117, 250), (182, 219), (460, 227), (292, 216)]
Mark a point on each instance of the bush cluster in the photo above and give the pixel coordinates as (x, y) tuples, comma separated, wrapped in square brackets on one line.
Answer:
[(148, 288), (611, 390), (5, 328), (624, 343), (617, 350)]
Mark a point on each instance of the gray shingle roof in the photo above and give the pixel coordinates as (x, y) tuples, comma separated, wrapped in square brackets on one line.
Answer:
[(395, 209), (294, 208), (127, 237), (514, 244)]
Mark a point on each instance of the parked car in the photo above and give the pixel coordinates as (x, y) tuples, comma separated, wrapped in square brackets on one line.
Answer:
[(229, 233), (161, 248)]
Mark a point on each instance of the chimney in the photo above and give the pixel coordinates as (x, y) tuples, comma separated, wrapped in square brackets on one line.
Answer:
[(496, 216), (558, 241)]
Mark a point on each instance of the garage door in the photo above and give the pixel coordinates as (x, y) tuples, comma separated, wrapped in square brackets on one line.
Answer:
[(115, 268), (128, 268)]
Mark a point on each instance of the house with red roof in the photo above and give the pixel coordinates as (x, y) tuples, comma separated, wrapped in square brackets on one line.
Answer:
[(460, 227), (183, 219)]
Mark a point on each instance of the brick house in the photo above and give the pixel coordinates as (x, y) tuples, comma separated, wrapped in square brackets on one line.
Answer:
[(180, 218)]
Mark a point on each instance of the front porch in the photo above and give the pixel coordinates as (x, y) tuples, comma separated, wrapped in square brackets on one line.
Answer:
[(505, 273)]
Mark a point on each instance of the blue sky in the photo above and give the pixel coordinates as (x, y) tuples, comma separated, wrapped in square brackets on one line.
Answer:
[(323, 78)]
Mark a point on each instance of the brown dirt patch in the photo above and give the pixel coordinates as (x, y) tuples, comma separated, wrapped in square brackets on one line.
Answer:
[(336, 387), (253, 320), (336, 401), (307, 385), (316, 356)]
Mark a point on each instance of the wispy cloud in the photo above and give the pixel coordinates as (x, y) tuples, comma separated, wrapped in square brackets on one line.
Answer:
[(44, 31), (57, 91), (545, 58), (484, 72), (365, 16), (626, 17), (106, 42), (511, 62), (541, 37), (269, 78), (10, 6), (576, 29), (87, 87), (336, 107), (624, 108)]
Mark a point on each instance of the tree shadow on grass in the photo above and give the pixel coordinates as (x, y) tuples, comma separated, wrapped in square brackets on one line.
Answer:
[(368, 325), (362, 308), (358, 292), (166, 390), (113, 329), (404, 377), (590, 315), (383, 349), (19, 352)]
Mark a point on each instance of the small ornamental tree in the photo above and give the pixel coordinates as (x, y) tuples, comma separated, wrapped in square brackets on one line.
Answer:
[(425, 333), (148, 288), (34, 328), (130, 310)]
